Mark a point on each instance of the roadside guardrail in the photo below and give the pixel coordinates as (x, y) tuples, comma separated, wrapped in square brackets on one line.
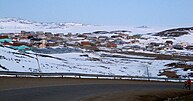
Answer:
[(81, 75)]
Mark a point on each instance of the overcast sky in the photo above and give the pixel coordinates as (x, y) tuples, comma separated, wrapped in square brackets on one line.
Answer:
[(103, 12)]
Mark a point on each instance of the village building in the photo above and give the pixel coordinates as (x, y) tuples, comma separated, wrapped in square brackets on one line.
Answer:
[(124, 36), (111, 45), (86, 43), (103, 38), (178, 47), (48, 35), (169, 42), (189, 47), (5, 40), (4, 37)]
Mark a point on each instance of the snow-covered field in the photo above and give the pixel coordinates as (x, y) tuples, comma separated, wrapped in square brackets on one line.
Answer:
[(83, 62)]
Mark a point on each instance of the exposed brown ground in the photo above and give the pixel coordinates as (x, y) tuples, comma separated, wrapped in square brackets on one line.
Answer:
[(170, 74), (160, 56)]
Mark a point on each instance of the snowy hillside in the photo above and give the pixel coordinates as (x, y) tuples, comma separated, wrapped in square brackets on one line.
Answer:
[(186, 38), (17, 24), (78, 62)]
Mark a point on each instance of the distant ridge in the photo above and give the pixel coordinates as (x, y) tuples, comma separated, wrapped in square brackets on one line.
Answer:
[(18, 23), (13, 24)]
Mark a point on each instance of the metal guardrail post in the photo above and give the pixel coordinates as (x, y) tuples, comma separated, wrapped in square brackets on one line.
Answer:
[(149, 79), (166, 79), (148, 73)]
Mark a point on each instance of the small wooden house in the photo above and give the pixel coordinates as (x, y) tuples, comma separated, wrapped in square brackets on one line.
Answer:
[(112, 45), (86, 43), (4, 37), (169, 42)]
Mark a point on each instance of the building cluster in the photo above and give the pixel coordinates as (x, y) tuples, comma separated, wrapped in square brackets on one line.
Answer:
[(118, 41), (31, 39)]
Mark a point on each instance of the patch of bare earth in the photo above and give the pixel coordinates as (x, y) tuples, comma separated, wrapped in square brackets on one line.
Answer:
[(144, 95), (180, 65), (170, 74), (160, 56)]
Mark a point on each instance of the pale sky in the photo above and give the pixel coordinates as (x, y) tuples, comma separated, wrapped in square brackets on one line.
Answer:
[(102, 12)]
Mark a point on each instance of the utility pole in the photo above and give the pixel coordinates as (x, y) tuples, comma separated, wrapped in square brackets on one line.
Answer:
[(148, 73), (38, 63)]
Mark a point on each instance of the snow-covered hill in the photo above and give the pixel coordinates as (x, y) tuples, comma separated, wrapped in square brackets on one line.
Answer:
[(17, 24), (83, 62)]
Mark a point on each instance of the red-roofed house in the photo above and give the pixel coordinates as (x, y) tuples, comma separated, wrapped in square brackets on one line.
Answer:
[(86, 43), (4, 37), (111, 45)]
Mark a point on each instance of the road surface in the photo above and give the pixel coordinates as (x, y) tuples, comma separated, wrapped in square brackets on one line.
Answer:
[(73, 90)]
